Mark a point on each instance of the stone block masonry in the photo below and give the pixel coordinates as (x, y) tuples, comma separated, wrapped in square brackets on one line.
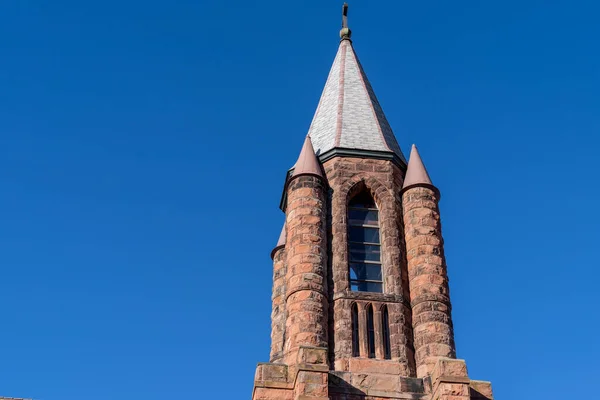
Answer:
[(306, 255), (429, 292), (361, 304), (312, 339), (278, 313), (383, 179)]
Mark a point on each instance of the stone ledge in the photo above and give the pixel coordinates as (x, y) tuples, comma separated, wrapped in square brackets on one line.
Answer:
[(272, 385), (270, 376), (312, 355), (272, 394), (396, 395), (369, 365), (441, 381), (376, 385), (366, 296), (449, 368), (302, 397), (271, 372), (313, 368), (449, 371), (481, 390), (292, 382)]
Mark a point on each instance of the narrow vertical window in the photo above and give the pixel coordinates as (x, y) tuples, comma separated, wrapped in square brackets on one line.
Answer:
[(370, 331), (385, 330), (355, 339), (364, 244)]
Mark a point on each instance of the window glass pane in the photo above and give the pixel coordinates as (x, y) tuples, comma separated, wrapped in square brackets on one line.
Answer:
[(363, 199), (362, 217), (364, 252), (360, 234), (364, 244), (372, 287), (369, 272), (357, 271), (361, 286)]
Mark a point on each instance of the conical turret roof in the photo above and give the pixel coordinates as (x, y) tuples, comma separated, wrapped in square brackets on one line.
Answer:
[(281, 242), (416, 173), (307, 163), (282, 237), (349, 115)]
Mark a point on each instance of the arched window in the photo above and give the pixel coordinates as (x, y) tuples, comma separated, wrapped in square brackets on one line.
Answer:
[(370, 331), (385, 330), (364, 244), (355, 338)]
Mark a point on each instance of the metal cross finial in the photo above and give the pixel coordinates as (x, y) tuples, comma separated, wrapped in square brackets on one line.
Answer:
[(345, 16), (345, 33)]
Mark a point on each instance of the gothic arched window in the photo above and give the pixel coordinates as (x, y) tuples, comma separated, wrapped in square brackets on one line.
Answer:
[(355, 338), (370, 331), (364, 244), (385, 330)]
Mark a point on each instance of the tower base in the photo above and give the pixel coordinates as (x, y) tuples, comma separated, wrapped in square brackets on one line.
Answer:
[(311, 379)]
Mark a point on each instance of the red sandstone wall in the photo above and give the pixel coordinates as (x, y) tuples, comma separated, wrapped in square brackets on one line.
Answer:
[(306, 285), (383, 179), (430, 297), (278, 313)]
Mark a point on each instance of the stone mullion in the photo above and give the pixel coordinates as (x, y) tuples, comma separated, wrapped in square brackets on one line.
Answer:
[(379, 352), (363, 331)]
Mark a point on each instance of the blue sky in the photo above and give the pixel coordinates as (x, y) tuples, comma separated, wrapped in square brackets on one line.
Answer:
[(143, 146)]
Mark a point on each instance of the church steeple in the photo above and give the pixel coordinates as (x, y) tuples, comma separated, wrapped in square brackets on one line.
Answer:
[(349, 119), (361, 302)]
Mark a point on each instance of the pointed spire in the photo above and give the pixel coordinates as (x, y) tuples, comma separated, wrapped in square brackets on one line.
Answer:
[(416, 173), (307, 163), (349, 120), (280, 242)]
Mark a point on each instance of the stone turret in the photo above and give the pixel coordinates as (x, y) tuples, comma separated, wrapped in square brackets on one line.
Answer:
[(428, 279), (278, 298), (306, 256)]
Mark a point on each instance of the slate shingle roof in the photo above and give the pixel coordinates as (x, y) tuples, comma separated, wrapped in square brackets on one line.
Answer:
[(349, 115)]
